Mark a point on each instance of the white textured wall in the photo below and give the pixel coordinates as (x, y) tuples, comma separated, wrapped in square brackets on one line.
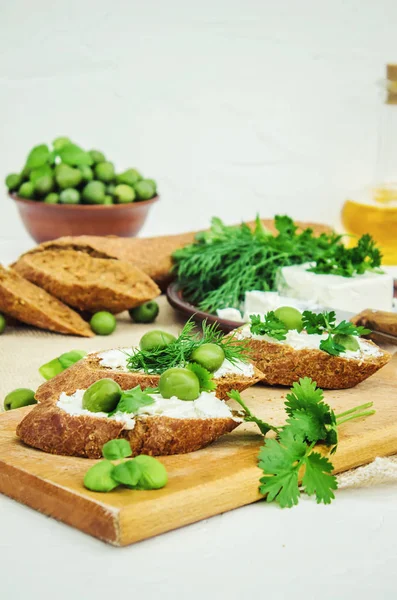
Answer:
[(234, 106)]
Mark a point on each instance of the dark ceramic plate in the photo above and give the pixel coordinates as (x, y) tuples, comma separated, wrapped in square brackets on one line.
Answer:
[(177, 301)]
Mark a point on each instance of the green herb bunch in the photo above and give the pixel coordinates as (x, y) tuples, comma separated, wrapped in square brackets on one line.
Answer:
[(290, 458), (325, 322), (225, 262), (177, 354)]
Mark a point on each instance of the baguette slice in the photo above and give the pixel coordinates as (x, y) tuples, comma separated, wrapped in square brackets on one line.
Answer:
[(88, 370), (152, 255), (51, 429), (29, 304), (88, 283), (282, 364)]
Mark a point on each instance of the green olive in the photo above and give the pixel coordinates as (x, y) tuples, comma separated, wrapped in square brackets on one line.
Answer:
[(60, 142), (2, 323), (209, 356), (87, 173), (18, 398), (153, 473), (69, 196), (144, 190), (153, 184), (291, 317), (129, 177), (94, 192), (99, 477), (102, 396), (67, 177), (103, 323), (26, 190), (349, 342), (156, 339), (104, 171), (145, 313), (44, 185), (52, 198), (123, 194), (97, 156), (179, 382), (13, 181)]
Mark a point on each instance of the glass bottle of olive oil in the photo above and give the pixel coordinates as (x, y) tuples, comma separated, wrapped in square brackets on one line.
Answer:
[(374, 210)]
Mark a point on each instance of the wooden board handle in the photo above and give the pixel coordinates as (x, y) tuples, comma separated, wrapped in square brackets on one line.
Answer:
[(377, 320)]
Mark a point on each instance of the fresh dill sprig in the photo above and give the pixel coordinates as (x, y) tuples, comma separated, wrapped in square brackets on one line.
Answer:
[(178, 353), (225, 262)]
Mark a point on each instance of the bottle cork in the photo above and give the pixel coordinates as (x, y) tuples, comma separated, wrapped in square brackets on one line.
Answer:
[(391, 74)]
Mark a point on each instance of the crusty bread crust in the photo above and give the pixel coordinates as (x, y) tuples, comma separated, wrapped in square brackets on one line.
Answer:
[(51, 429), (88, 283), (88, 370), (283, 365), (152, 255), (29, 304)]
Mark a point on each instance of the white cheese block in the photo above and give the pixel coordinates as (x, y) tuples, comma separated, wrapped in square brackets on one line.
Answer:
[(230, 314), (257, 302), (353, 294)]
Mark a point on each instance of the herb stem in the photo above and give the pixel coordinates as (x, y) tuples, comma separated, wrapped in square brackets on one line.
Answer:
[(357, 416), (354, 410)]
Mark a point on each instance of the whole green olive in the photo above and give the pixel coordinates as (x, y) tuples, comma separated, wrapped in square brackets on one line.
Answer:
[(103, 323), (99, 477), (44, 185), (13, 181), (349, 342), (153, 473), (26, 190), (209, 356), (18, 398), (145, 313), (69, 196), (156, 339), (102, 396), (67, 177), (87, 173), (291, 317), (94, 192), (2, 323), (104, 171), (179, 382), (52, 198), (144, 190), (123, 193), (97, 156)]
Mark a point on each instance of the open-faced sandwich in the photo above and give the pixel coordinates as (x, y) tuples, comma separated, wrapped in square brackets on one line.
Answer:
[(181, 415), (217, 358), (287, 345)]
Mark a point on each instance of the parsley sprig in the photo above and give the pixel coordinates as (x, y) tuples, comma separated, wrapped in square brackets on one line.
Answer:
[(225, 262), (290, 458), (270, 325), (326, 323), (132, 400), (178, 353)]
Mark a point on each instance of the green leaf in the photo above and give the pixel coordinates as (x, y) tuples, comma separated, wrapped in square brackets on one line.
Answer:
[(207, 384), (38, 156), (303, 395), (70, 358), (271, 326), (132, 400), (308, 425), (283, 488), (318, 479), (331, 347), (347, 328), (285, 225), (127, 473), (116, 449), (73, 155), (43, 171)]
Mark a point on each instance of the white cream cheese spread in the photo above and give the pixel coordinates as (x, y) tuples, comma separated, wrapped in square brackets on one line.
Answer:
[(303, 340), (118, 357), (206, 406)]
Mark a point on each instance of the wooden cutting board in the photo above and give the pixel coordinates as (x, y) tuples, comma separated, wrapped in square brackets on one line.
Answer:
[(201, 484)]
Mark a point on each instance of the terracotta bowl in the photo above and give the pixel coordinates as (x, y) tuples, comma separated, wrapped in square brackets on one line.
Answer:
[(50, 221), (177, 301)]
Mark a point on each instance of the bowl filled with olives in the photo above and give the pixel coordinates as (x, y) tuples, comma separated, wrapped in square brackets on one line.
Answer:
[(65, 190)]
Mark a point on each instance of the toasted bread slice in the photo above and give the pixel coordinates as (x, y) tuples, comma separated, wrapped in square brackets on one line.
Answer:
[(53, 430), (282, 364), (88, 283), (152, 255), (88, 370), (30, 304)]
